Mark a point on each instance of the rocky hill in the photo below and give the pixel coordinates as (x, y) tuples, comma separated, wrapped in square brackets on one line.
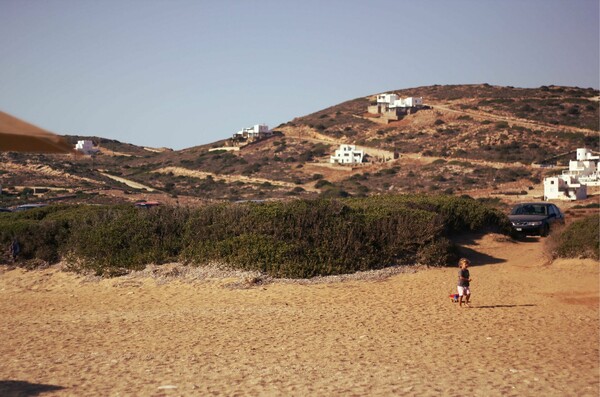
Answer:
[(479, 140)]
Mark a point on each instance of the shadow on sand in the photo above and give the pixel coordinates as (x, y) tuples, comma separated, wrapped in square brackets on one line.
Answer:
[(467, 244), (501, 306), (19, 388), (478, 258)]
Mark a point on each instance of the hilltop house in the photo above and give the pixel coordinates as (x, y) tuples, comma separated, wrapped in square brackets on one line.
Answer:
[(347, 154), (585, 167), (86, 147), (564, 187), (256, 132), (572, 184), (392, 107)]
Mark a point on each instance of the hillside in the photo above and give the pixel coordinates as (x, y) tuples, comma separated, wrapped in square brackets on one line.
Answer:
[(479, 140)]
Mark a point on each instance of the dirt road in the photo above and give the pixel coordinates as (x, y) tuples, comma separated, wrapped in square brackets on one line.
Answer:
[(511, 120), (227, 178), (128, 182)]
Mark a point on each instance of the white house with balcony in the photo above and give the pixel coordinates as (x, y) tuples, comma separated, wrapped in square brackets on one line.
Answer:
[(573, 183), (564, 187), (585, 167), (387, 99), (257, 131), (392, 107), (347, 154), (85, 147), (391, 101), (410, 102)]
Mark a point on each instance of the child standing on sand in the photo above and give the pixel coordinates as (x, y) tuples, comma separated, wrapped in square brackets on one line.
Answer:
[(464, 279)]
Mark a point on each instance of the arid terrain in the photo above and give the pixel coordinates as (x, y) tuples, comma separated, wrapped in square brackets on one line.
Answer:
[(532, 331), (468, 139)]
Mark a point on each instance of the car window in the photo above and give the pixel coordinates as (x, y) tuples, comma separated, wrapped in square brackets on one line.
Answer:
[(557, 211), (523, 210), (518, 210), (530, 209), (551, 210)]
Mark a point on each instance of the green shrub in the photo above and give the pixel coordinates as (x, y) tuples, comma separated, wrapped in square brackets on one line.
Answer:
[(581, 239), (590, 205), (126, 237), (299, 238), (440, 252), (322, 183), (334, 192), (305, 238), (501, 125), (42, 233)]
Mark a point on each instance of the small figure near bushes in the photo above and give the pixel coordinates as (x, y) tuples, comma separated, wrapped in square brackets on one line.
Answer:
[(14, 249), (464, 279)]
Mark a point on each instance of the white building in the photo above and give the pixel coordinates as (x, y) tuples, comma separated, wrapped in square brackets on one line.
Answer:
[(564, 187), (257, 131), (392, 101), (387, 98), (573, 183), (585, 168), (410, 102), (391, 107), (86, 147), (347, 154)]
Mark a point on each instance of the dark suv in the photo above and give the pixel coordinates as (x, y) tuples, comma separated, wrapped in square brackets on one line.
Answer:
[(535, 218)]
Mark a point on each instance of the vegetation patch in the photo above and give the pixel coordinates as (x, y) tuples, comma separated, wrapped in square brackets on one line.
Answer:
[(581, 239), (294, 239)]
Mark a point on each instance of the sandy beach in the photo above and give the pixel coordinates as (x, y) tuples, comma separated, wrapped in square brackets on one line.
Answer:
[(533, 331)]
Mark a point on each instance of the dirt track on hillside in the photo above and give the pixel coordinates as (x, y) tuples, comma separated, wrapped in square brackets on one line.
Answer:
[(128, 182), (533, 331), (228, 178), (511, 120)]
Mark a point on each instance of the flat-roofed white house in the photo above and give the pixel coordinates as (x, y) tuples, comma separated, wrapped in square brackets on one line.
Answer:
[(392, 107), (391, 101), (573, 183), (85, 147), (564, 187), (257, 131), (347, 154), (585, 167), (387, 98), (410, 102)]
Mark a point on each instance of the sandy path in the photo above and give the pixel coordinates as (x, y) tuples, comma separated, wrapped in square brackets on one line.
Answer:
[(128, 182), (512, 120), (227, 178), (533, 332)]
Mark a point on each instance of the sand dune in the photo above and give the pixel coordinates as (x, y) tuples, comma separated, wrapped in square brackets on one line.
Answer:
[(533, 331)]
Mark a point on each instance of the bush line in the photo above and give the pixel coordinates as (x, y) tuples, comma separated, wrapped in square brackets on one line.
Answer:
[(292, 239)]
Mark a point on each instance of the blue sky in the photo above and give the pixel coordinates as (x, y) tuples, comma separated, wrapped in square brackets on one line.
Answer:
[(184, 73)]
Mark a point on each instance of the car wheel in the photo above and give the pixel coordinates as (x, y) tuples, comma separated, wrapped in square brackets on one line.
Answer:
[(545, 230)]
